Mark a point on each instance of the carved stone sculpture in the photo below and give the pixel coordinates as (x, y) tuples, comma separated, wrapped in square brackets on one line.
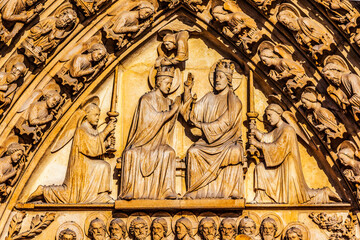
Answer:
[(281, 168), (127, 25), (117, 229), (38, 113), (285, 68), (247, 226), (174, 49), (195, 5), (67, 234), (139, 229), (218, 154), (84, 67), (227, 229), (264, 5), (87, 178), (12, 72), (237, 25), (183, 228), (310, 34), (207, 229), (97, 230), (159, 229), (323, 119), (148, 159), (45, 36), (90, 7), (14, 14), (345, 86), (268, 229), (342, 12), (293, 233)]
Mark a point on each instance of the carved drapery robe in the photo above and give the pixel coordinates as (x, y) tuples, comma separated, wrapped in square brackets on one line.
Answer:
[(6, 95), (87, 178), (281, 176), (214, 163), (148, 162), (10, 10), (351, 84)]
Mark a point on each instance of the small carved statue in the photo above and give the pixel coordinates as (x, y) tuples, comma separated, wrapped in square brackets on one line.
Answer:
[(227, 229), (67, 234), (117, 229), (90, 7), (12, 163), (218, 154), (159, 229), (281, 168), (40, 110), (195, 5), (264, 4), (139, 229), (87, 178), (14, 70), (183, 228), (345, 86), (342, 12), (293, 233), (207, 229), (237, 25), (148, 160), (128, 25), (310, 34), (84, 67), (14, 14), (268, 229), (45, 36), (97, 230), (285, 68), (174, 49), (349, 157), (247, 226), (323, 119)]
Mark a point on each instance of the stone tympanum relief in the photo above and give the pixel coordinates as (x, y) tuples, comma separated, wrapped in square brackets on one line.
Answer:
[(88, 175), (15, 14)]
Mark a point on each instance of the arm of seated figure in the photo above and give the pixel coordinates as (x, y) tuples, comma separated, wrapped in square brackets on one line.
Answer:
[(35, 117)]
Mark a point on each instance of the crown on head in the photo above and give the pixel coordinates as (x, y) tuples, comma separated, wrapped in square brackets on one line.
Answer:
[(165, 71), (226, 66)]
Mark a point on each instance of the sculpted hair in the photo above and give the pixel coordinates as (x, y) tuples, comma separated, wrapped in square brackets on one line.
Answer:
[(67, 231), (295, 230), (88, 108), (186, 222), (163, 223), (71, 12), (228, 221), (14, 147), (96, 220), (244, 221), (134, 222), (120, 223), (98, 46), (268, 220)]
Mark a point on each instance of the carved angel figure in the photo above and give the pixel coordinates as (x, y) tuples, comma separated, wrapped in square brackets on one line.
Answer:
[(348, 155), (237, 25), (323, 119), (342, 12), (12, 163), (174, 49), (345, 86), (38, 112), (45, 36), (9, 76), (14, 14), (218, 154), (281, 168), (148, 160), (310, 34), (285, 68), (87, 178), (83, 67), (128, 25)]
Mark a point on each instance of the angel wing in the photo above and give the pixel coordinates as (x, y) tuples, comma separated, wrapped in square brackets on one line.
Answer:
[(299, 129), (34, 97), (12, 61), (68, 130)]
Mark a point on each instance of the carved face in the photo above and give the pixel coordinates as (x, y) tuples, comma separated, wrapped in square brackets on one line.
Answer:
[(180, 231), (116, 231), (272, 117), (292, 236), (65, 19), (145, 13), (227, 231), (221, 81), (93, 116), (307, 104), (333, 76), (248, 228), (97, 231), (267, 57), (140, 231), (289, 19), (208, 231), (169, 45), (164, 84), (97, 55), (16, 156), (268, 231), (67, 237), (157, 231), (17, 71), (53, 100), (346, 156)]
